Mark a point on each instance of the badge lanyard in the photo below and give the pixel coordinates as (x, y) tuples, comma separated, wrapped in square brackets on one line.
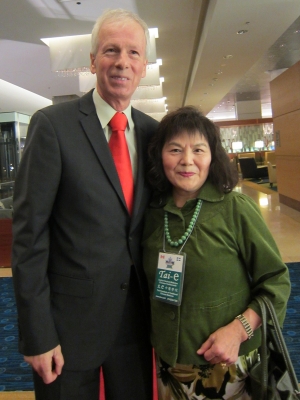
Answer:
[(170, 269)]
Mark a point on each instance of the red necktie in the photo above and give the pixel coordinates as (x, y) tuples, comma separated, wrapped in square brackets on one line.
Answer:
[(120, 153)]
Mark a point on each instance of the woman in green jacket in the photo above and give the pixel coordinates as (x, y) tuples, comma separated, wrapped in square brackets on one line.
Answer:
[(207, 254)]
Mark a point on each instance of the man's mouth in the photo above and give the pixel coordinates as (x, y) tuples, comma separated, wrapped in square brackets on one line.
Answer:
[(120, 78)]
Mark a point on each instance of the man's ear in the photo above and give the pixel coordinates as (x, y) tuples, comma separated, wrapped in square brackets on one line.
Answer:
[(145, 69), (92, 64)]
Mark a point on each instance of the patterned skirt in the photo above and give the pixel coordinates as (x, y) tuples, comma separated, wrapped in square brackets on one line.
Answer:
[(198, 382)]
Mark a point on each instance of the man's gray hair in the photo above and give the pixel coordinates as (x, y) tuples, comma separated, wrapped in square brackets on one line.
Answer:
[(117, 15)]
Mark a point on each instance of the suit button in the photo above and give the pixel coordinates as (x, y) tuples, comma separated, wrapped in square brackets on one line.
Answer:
[(172, 315), (124, 286)]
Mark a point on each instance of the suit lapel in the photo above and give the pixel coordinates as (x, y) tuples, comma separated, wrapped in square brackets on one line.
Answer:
[(141, 151), (93, 129)]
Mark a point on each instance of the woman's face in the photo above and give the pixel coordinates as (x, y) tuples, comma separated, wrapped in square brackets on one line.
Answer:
[(186, 160)]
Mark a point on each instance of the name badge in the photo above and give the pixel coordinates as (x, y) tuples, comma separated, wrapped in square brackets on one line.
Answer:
[(169, 278)]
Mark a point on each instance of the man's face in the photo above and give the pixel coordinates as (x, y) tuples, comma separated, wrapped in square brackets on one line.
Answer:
[(120, 62)]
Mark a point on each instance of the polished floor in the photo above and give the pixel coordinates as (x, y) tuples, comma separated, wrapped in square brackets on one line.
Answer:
[(283, 222)]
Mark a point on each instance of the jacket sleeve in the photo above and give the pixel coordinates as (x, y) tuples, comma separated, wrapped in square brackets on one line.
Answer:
[(35, 190), (268, 273)]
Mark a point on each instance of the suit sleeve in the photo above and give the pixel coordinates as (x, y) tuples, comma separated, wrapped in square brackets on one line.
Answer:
[(36, 186)]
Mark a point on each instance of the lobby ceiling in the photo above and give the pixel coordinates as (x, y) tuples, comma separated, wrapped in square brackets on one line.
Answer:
[(205, 62)]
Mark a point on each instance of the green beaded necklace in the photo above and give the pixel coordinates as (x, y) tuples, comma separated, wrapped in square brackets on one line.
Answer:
[(189, 230)]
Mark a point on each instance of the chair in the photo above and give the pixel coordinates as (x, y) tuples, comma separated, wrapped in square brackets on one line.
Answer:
[(272, 174), (249, 169), (270, 157), (243, 155)]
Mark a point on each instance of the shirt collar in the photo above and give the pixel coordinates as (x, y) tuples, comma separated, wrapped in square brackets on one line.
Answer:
[(105, 112)]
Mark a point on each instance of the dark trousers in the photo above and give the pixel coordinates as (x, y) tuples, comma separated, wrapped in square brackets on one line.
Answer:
[(127, 370)]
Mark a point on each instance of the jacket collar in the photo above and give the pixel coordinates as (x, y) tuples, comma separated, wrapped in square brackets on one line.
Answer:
[(93, 129), (208, 192)]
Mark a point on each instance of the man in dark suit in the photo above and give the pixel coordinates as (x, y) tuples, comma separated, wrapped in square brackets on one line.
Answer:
[(80, 289)]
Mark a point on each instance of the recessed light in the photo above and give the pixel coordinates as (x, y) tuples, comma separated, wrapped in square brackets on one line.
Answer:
[(242, 31)]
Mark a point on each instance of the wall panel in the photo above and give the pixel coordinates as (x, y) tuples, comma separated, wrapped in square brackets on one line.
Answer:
[(285, 96)]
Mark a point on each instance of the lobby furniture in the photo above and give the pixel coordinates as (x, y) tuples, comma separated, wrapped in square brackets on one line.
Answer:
[(5, 242), (6, 212), (272, 173), (6, 209), (243, 155), (250, 170), (246, 155), (270, 157)]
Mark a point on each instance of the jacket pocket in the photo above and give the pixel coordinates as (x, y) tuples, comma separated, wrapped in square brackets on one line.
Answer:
[(71, 286)]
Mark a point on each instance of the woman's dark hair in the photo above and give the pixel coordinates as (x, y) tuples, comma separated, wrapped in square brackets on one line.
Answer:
[(189, 119)]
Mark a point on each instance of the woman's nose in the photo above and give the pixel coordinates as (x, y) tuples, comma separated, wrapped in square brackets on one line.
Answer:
[(187, 157)]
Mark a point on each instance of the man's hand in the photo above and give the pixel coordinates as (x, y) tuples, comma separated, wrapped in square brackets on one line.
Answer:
[(48, 365)]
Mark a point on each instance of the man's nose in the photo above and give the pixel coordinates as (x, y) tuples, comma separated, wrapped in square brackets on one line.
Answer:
[(122, 60)]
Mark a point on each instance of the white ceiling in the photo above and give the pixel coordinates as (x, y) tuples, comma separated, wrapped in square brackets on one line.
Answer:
[(194, 37)]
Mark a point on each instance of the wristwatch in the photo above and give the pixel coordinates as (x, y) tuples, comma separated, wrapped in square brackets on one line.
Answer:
[(246, 325)]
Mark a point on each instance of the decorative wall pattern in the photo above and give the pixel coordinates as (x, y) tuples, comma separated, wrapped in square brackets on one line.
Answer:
[(248, 135)]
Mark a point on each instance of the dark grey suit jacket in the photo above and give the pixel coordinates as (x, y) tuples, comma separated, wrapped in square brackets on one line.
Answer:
[(74, 242)]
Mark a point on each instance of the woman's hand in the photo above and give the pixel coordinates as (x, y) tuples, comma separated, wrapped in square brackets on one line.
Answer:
[(223, 345)]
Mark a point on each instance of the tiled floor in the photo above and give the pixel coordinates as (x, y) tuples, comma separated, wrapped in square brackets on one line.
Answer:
[(283, 222)]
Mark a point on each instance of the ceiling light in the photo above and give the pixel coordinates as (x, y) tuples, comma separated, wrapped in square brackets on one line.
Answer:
[(154, 32), (228, 56), (242, 31), (69, 55)]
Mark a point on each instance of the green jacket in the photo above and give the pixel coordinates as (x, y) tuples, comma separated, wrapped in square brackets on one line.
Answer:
[(231, 258)]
